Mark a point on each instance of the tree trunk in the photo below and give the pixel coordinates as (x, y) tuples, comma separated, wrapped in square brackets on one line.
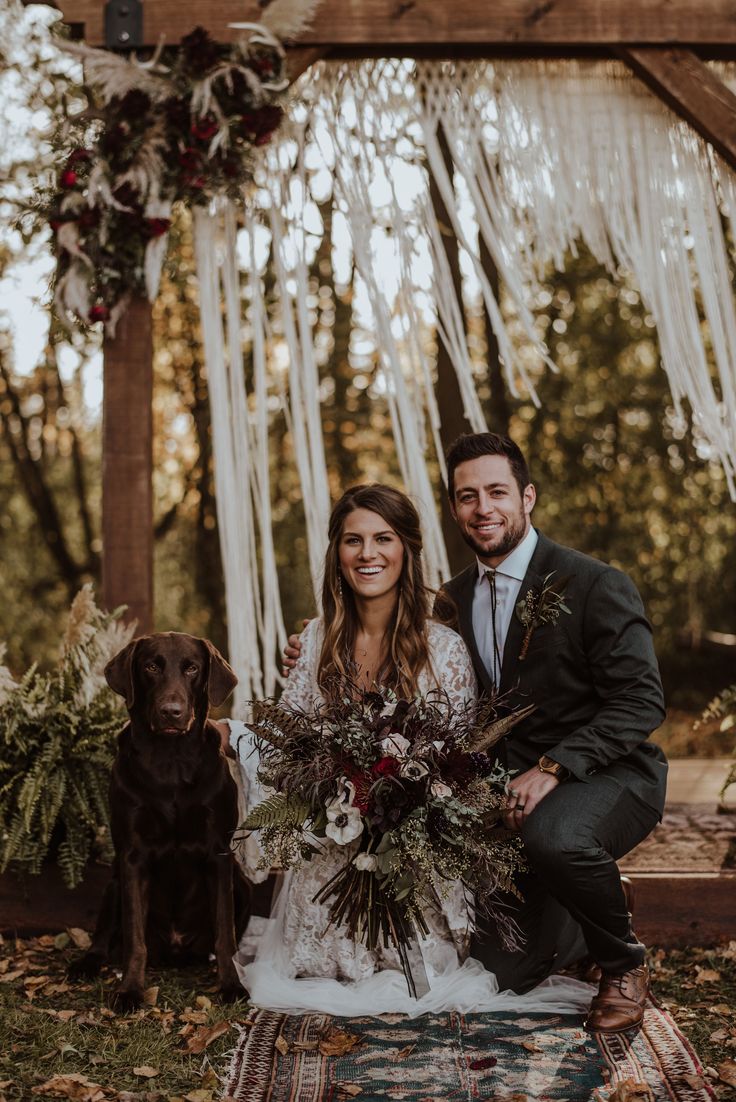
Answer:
[(127, 489)]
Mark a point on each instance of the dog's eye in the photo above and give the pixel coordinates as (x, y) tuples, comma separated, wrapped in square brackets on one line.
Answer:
[(191, 671), (151, 667)]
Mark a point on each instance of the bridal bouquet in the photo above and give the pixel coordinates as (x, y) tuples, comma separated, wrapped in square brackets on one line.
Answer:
[(409, 792)]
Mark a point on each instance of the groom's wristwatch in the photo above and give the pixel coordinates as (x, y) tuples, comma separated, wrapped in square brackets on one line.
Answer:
[(549, 765)]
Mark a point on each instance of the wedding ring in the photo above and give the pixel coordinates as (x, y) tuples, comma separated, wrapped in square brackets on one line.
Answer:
[(519, 807)]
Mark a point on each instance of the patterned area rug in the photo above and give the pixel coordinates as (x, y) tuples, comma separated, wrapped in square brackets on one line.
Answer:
[(457, 1058)]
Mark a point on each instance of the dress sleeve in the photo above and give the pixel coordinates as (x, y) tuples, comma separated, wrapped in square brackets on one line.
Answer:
[(453, 667), (246, 847), (301, 690)]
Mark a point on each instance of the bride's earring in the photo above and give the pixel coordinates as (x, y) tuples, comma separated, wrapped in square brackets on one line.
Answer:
[(339, 586)]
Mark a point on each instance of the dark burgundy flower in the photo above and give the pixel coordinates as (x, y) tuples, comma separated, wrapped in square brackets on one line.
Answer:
[(199, 51), (386, 767), (157, 227), (68, 178), (99, 313), (190, 158), (204, 128), (481, 763), (134, 104), (176, 110), (127, 195), (459, 767), (261, 123), (362, 784), (89, 218), (264, 66), (437, 824), (78, 155)]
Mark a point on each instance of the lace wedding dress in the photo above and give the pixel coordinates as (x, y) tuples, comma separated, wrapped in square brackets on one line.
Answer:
[(303, 963)]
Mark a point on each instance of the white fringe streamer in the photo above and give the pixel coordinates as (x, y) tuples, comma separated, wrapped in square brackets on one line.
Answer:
[(544, 155)]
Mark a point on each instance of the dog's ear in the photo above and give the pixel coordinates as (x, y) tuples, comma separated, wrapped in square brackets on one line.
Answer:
[(119, 673), (221, 680)]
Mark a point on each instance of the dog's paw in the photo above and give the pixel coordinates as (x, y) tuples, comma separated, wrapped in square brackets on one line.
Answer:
[(125, 1001), (85, 968), (232, 991)]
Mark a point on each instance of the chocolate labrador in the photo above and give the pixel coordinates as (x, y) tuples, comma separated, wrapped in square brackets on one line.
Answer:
[(177, 893)]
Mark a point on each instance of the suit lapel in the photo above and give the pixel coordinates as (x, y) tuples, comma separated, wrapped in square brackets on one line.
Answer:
[(464, 601)]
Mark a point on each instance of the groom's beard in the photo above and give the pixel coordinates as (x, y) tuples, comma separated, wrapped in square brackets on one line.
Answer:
[(511, 537)]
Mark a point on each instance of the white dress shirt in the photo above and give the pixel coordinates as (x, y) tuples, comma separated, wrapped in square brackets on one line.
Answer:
[(509, 576)]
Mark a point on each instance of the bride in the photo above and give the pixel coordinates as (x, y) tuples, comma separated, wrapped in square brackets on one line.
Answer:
[(375, 629)]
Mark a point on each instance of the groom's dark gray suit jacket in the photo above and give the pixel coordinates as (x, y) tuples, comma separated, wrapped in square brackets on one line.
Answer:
[(592, 674)]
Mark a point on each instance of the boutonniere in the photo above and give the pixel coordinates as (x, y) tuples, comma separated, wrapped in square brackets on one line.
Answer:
[(541, 606)]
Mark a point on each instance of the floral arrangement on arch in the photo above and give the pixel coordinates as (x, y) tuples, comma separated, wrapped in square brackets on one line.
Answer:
[(408, 792), (183, 126)]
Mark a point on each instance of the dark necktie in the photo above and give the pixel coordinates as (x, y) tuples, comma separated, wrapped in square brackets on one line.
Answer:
[(495, 648)]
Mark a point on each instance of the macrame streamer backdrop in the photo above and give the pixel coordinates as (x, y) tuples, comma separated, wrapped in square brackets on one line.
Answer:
[(544, 155)]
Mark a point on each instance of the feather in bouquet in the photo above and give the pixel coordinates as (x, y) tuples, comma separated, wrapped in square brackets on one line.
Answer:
[(410, 793)]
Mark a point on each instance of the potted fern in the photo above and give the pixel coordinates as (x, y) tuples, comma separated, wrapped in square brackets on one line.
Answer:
[(57, 742), (723, 707)]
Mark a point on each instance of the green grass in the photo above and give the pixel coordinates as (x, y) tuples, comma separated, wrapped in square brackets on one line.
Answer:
[(50, 1028), (53, 1028), (698, 987)]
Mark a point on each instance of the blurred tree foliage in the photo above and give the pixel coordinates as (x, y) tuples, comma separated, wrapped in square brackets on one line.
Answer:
[(617, 476)]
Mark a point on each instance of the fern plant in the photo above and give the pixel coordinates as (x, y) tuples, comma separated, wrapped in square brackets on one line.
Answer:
[(723, 707), (57, 743)]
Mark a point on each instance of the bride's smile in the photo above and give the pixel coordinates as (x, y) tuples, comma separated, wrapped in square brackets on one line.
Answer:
[(371, 554)]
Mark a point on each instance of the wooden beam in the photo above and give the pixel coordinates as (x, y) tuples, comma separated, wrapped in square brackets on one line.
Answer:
[(690, 88), (387, 26), (127, 491)]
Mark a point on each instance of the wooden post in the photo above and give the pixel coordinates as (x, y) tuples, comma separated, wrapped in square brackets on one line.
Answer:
[(127, 489)]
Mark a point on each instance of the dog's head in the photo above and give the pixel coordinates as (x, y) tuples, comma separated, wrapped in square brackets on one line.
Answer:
[(169, 680)]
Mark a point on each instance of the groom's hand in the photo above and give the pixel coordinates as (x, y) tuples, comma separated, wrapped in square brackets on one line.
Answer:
[(292, 650), (524, 793)]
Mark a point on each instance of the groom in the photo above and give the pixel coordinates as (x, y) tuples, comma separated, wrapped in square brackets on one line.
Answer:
[(550, 626)]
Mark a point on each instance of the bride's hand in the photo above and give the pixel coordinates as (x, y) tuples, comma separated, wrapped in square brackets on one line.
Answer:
[(292, 650)]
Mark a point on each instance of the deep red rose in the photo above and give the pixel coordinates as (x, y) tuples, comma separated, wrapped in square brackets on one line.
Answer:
[(157, 227), (386, 767), (99, 313), (204, 128), (55, 223), (68, 178), (264, 139)]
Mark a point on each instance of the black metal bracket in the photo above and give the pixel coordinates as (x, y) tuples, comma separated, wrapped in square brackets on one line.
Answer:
[(123, 24)]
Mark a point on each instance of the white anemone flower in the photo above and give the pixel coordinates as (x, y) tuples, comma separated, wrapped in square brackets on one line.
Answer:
[(414, 770), (344, 823), (366, 862), (439, 790), (395, 746)]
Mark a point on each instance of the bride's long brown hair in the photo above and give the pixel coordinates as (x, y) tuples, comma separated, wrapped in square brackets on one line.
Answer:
[(406, 652)]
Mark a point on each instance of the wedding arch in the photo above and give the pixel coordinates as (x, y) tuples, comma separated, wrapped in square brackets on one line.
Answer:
[(532, 146)]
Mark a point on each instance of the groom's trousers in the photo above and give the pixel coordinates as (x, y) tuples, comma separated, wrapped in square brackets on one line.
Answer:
[(573, 900)]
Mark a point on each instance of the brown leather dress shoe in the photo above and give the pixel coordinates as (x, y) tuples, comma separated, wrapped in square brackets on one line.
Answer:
[(619, 1004)]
